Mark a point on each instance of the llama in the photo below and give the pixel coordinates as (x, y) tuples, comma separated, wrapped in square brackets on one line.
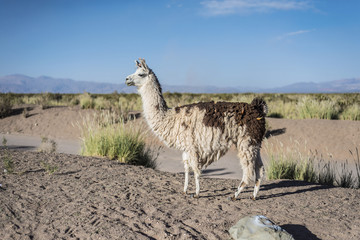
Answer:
[(204, 131)]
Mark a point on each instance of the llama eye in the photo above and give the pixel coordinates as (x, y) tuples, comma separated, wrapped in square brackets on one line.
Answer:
[(142, 75)]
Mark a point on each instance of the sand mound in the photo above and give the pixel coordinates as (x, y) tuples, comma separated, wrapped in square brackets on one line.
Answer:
[(95, 198)]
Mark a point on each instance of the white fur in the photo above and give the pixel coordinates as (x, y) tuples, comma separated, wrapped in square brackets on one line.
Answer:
[(185, 130)]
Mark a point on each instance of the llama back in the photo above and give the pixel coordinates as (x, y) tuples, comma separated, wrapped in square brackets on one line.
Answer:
[(252, 116)]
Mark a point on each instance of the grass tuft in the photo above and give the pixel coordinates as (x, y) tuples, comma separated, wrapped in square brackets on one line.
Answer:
[(291, 164), (356, 159), (7, 159), (107, 135), (50, 169), (309, 107), (5, 105), (47, 145), (352, 112)]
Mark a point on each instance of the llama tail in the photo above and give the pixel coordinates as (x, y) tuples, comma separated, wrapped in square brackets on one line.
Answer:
[(261, 105)]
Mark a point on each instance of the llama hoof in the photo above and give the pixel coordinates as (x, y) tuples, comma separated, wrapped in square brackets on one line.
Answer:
[(253, 198), (185, 193), (194, 196), (232, 199)]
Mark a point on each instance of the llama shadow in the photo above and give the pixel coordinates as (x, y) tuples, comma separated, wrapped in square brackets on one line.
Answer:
[(67, 173), (289, 184), (275, 132), (18, 111), (299, 232), (210, 172), (20, 148)]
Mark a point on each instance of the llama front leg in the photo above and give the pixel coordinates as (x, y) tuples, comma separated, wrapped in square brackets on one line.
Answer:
[(197, 183), (186, 183), (197, 172), (185, 157)]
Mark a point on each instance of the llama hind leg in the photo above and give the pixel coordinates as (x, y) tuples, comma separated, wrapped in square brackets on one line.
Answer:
[(247, 160), (243, 183), (259, 172)]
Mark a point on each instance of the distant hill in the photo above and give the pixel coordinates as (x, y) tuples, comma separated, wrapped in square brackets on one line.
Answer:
[(337, 86), (24, 84)]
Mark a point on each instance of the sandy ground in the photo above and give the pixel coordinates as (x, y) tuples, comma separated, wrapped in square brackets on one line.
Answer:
[(94, 198)]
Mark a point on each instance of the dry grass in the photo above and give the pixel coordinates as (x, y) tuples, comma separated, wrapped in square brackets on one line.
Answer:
[(107, 134), (290, 106)]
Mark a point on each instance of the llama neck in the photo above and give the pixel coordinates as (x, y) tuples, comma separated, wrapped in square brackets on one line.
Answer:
[(154, 104)]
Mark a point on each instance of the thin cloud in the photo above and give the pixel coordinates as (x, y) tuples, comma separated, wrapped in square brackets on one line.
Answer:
[(290, 34), (227, 7), (174, 3)]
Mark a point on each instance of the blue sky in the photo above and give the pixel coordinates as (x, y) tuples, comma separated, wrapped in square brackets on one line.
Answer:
[(255, 43)]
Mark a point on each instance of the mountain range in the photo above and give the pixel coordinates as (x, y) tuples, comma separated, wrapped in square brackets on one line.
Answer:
[(18, 83)]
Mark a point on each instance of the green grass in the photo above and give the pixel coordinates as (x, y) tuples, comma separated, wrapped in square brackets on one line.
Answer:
[(5, 105), (106, 135), (356, 159), (351, 112), (8, 163), (291, 164), (286, 166), (49, 168)]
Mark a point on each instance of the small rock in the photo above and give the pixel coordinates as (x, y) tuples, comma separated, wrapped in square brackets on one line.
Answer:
[(258, 228)]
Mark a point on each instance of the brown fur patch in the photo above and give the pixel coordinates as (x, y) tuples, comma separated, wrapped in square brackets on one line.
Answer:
[(184, 125), (250, 115)]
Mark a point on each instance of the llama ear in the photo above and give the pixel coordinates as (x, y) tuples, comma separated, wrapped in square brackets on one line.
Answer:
[(143, 63), (137, 63)]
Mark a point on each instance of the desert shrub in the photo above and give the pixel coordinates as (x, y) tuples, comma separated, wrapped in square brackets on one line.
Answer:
[(47, 145), (125, 142), (351, 112), (128, 102), (86, 101), (309, 107), (246, 97), (101, 103), (43, 100), (5, 105), (281, 109)]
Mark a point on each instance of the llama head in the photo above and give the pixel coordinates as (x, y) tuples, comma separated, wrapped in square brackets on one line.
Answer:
[(141, 75)]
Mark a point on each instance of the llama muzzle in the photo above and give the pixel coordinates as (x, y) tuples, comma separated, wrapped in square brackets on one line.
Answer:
[(129, 81)]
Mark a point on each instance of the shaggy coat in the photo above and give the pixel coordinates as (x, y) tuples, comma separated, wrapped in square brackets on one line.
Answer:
[(205, 131)]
